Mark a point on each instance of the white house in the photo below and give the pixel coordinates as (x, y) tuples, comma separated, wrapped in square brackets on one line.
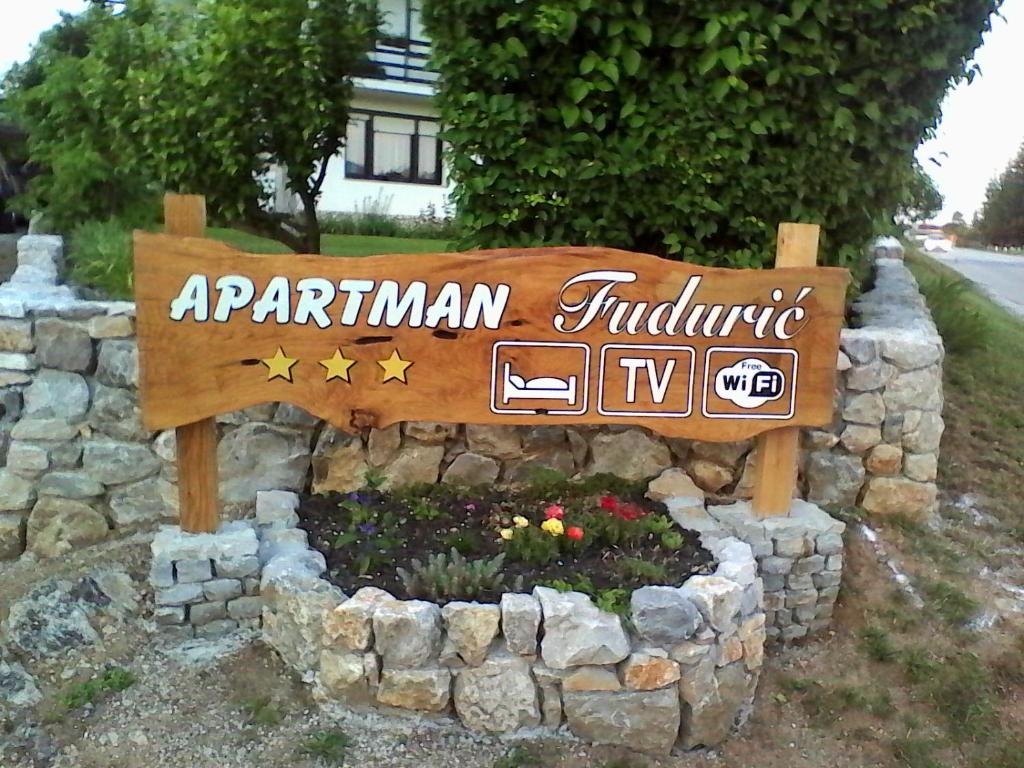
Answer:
[(392, 161)]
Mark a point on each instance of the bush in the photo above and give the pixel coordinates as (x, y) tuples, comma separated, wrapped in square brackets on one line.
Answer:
[(694, 128), (100, 254), (374, 219), (963, 328)]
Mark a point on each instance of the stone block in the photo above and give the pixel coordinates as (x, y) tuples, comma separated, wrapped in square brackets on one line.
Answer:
[(169, 615), (234, 540), (884, 460), (794, 632), (17, 361), (350, 625), (407, 633), (16, 336), (70, 485), (204, 613), (57, 394), (276, 509), (112, 462), (115, 412), (799, 582), (111, 327), (498, 696), (161, 573), (58, 526), (577, 633), (864, 408), (339, 462), (217, 590), (250, 607), (674, 483), (425, 690), (631, 454), (834, 563), (471, 628), (414, 464), (922, 467), (550, 700), (383, 445), (646, 672), (796, 598), (118, 363), (591, 678), (261, 457), (833, 478), (472, 469), (45, 429), (12, 536), (897, 495), (829, 544), (495, 441), (63, 345), (793, 547), (710, 476), (827, 579), (216, 628), (237, 567), (189, 571), (858, 439), (295, 601), (776, 565), (27, 457), (664, 615), (717, 599), (343, 676), (642, 721), (292, 416), (808, 565), (179, 594), (520, 622)]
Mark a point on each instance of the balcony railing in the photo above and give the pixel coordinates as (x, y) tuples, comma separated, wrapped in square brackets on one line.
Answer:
[(401, 59)]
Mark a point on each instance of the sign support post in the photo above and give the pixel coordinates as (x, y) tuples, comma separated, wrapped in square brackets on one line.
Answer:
[(775, 480), (185, 216)]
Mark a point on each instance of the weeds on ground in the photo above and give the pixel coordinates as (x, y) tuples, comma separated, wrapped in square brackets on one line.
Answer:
[(878, 644), (950, 602), (964, 328), (91, 691), (519, 757), (261, 710), (825, 703), (330, 747)]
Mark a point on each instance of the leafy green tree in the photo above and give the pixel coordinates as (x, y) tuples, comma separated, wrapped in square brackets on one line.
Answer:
[(1001, 220), (921, 199), (211, 98), (690, 128)]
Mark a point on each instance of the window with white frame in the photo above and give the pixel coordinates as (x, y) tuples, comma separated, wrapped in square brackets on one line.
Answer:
[(391, 147)]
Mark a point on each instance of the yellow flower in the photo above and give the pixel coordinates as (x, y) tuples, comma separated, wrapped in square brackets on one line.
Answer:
[(520, 521), (505, 533), (553, 526)]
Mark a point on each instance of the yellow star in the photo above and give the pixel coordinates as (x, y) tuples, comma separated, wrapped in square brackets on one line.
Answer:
[(395, 367), (280, 366), (338, 366)]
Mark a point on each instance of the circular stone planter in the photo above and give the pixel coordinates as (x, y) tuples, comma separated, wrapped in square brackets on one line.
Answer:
[(681, 671)]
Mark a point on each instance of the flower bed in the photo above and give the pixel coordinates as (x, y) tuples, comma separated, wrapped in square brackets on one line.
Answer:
[(600, 536)]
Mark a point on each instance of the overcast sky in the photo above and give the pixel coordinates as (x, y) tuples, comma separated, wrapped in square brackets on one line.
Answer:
[(982, 124)]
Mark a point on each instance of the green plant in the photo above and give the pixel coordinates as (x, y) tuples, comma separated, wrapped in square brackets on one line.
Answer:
[(918, 664), (672, 540), (422, 509), (950, 602), (453, 577), (580, 583), (534, 546), (261, 710), (519, 757), (466, 542), (566, 119), (112, 680), (374, 533), (964, 329), (878, 644), (652, 573), (330, 747), (100, 255), (613, 600)]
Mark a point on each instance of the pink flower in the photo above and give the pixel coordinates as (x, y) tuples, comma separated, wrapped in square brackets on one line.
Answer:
[(609, 502), (629, 512), (470, 507), (554, 512), (575, 533)]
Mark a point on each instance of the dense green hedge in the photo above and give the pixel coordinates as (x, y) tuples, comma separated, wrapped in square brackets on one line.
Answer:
[(695, 127)]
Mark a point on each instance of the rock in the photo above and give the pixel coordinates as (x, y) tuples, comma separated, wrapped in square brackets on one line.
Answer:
[(498, 696), (860, 438), (922, 431), (27, 458), (715, 704), (17, 361), (922, 467), (674, 483), (726, 454), (648, 722), (916, 389), (833, 478), (407, 633), (48, 621), (115, 412), (232, 541), (498, 442), (350, 625), (16, 493), (339, 462), (276, 509), (111, 327), (63, 345), (261, 457), (910, 353), (550, 706), (718, 599), (631, 455), (416, 463), (644, 672), (118, 364), (294, 604), (710, 476), (426, 690), (112, 462), (289, 415), (577, 633), (429, 432), (70, 485), (40, 259), (57, 526), (343, 676), (472, 469), (896, 495), (471, 628), (44, 429), (873, 375), (383, 444), (520, 622), (18, 689), (57, 394), (663, 616), (884, 460), (536, 463), (591, 678), (12, 536), (16, 336), (138, 504), (864, 408)]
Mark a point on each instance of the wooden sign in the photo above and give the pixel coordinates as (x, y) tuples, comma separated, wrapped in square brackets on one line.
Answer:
[(532, 336)]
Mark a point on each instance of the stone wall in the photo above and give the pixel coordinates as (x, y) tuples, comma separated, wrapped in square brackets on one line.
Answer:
[(76, 465)]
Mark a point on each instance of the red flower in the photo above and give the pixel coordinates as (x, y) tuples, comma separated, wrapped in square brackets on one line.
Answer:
[(554, 512), (574, 533), (629, 512), (610, 503)]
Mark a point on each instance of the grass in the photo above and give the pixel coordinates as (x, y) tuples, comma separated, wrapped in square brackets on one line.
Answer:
[(878, 644), (329, 747), (92, 691), (261, 710), (331, 245), (519, 757)]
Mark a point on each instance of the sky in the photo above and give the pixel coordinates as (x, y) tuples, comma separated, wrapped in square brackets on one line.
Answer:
[(981, 130)]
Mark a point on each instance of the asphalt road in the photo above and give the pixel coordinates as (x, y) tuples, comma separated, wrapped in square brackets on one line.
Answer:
[(999, 275)]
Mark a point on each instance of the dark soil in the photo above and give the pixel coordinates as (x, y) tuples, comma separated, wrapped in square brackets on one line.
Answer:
[(469, 520)]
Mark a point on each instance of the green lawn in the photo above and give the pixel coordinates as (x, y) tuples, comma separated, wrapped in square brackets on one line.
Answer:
[(332, 245)]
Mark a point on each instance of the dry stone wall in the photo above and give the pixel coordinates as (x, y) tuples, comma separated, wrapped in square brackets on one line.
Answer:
[(76, 465)]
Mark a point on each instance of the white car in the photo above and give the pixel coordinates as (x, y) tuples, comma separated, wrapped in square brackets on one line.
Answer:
[(938, 245)]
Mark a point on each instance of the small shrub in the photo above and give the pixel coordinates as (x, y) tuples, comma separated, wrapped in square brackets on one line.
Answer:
[(331, 747), (261, 710), (918, 664), (453, 577), (878, 644), (113, 680), (654, 573), (100, 254)]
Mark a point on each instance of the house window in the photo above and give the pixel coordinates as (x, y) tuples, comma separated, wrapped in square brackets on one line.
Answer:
[(387, 147)]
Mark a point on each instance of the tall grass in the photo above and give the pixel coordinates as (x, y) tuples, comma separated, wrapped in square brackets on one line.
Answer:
[(100, 255), (964, 328)]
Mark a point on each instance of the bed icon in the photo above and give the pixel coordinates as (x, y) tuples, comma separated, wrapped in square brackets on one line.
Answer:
[(540, 388), (539, 378)]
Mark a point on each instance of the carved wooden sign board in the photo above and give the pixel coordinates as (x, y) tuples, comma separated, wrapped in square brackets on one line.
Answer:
[(534, 336)]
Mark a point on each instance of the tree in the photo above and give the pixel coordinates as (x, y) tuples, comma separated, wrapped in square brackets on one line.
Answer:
[(209, 99), (691, 128), (1001, 220), (921, 198)]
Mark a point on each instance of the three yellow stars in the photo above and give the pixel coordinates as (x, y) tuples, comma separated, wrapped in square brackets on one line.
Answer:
[(338, 366)]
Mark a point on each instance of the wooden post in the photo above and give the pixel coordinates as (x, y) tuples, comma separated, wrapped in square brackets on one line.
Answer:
[(185, 216), (778, 450)]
